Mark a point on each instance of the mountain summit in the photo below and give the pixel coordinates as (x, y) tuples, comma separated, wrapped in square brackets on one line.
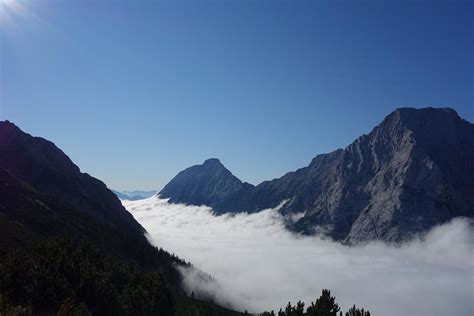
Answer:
[(412, 171), (209, 184)]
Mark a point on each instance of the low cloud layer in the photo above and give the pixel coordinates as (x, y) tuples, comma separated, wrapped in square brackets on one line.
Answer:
[(259, 265)]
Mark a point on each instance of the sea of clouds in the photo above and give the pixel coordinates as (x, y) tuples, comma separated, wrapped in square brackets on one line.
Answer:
[(259, 265)]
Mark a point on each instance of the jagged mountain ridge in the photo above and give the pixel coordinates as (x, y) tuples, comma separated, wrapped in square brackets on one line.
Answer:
[(412, 171)]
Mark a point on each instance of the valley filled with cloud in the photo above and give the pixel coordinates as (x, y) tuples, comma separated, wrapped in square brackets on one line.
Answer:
[(257, 264)]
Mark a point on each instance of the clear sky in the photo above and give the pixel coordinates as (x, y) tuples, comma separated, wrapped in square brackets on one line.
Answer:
[(135, 91)]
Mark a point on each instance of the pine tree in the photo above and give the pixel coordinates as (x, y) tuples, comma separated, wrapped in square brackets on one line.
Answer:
[(299, 308), (353, 311), (325, 305)]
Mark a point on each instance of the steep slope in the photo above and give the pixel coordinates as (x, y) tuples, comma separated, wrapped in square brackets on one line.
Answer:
[(45, 167), (412, 171), (43, 195), (17, 199), (27, 216)]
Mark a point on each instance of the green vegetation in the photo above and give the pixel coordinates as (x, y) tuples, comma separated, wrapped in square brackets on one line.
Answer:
[(55, 259), (325, 305), (62, 275)]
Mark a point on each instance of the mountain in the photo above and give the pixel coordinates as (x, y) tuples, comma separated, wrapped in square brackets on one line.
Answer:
[(67, 243), (133, 195), (44, 194), (412, 171), (40, 164), (208, 184)]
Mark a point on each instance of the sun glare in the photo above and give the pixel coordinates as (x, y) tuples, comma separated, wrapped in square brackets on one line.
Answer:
[(8, 8), (4, 8), (7, 3), (10, 11)]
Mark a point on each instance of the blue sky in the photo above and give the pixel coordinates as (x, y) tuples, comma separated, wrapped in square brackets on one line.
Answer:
[(135, 91)]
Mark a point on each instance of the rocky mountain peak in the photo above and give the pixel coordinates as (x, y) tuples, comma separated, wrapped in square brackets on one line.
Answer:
[(213, 162), (210, 184), (410, 114), (411, 172), (213, 165), (425, 121)]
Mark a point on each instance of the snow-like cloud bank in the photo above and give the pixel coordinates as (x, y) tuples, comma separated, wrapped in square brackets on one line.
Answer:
[(259, 265)]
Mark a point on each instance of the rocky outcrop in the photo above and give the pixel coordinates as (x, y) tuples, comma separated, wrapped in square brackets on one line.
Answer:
[(411, 172)]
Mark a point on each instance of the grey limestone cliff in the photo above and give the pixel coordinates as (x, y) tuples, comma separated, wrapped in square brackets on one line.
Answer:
[(412, 171)]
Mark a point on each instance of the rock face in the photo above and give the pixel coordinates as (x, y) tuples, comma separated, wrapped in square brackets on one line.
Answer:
[(39, 165), (411, 172)]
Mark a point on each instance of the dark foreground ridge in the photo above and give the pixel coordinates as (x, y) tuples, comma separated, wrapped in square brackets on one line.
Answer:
[(69, 247), (411, 172)]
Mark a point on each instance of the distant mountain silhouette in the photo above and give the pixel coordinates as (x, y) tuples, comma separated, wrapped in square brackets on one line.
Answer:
[(134, 195), (411, 172)]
